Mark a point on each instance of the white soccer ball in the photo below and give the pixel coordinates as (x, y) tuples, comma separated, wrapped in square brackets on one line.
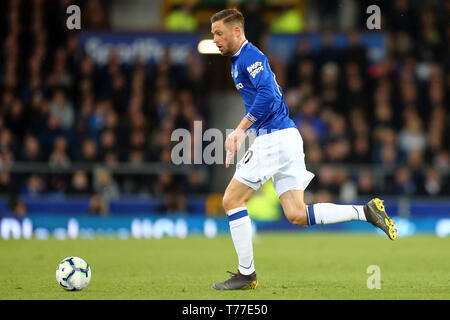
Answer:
[(73, 273)]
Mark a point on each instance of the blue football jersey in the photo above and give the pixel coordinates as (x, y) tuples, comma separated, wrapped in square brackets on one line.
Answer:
[(263, 98)]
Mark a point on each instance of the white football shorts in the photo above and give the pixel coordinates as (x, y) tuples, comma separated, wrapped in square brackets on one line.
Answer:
[(278, 156)]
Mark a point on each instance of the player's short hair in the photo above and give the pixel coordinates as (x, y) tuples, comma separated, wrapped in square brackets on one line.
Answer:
[(229, 15)]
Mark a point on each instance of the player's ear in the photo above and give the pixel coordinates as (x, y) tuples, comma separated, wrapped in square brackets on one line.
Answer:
[(237, 31)]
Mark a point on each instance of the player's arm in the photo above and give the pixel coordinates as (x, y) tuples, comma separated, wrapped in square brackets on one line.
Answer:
[(267, 90)]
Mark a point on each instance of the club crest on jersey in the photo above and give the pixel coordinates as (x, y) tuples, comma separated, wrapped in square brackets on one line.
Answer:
[(255, 68)]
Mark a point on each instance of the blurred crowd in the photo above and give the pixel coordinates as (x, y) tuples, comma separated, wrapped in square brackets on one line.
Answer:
[(394, 115), (58, 107)]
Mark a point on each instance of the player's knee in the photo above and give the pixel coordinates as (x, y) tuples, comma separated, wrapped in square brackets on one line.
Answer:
[(297, 214), (229, 202), (226, 202)]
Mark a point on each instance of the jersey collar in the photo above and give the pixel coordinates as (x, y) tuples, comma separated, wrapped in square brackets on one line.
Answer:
[(239, 51)]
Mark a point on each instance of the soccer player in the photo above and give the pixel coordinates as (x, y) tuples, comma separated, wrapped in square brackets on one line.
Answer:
[(277, 154)]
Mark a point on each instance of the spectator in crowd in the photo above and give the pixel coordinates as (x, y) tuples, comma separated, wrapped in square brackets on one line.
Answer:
[(366, 185), (59, 157), (401, 16), (80, 184), (95, 15), (57, 186), (310, 115), (174, 201), (31, 151), (16, 119), (62, 110), (105, 190), (326, 180), (412, 136), (404, 184), (7, 185), (107, 143), (17, 207), (163, 183), (7, 142), (6, 159), (105, 186), (433, 185), (301, 67), (355, 53), (97, 205), (89, 151), (196, 182), (34, 187)]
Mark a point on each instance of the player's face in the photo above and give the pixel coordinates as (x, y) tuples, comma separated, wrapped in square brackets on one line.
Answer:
[(223, 37)]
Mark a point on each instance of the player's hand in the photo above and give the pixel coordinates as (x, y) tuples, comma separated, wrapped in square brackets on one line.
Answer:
[(233, 143), (230, 156)]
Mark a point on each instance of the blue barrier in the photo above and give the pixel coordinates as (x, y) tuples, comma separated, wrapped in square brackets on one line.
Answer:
[(79, 206), (43, 226)]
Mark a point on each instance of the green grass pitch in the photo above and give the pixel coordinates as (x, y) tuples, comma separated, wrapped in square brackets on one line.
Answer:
[(289, 266)]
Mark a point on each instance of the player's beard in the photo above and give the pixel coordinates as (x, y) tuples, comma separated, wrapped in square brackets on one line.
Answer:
[(228, 51)]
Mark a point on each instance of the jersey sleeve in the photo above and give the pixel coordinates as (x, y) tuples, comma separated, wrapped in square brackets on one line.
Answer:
[(259, 74)]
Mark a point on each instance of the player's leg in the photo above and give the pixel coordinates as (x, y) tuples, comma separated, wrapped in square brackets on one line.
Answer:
[(294, 207), (300, 214), (292, 178), (236, 195), (329, 213), (234, 202)]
